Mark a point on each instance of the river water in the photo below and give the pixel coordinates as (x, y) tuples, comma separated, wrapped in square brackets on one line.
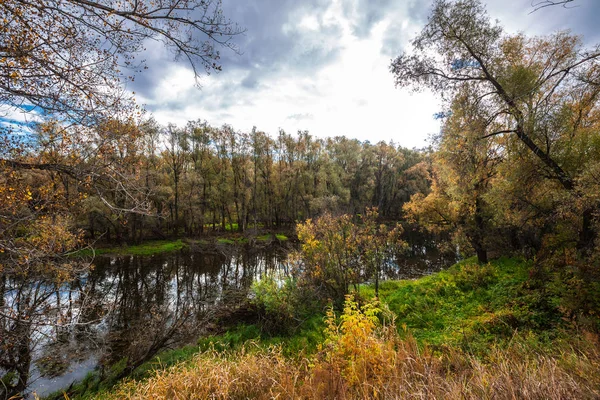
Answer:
[(129, 306)]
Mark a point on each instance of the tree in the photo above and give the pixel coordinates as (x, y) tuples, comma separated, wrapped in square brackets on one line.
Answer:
[(67, 60), (71, 57), (463, 169), (176, 153), (337, 252), (379, 245), (521, 82)]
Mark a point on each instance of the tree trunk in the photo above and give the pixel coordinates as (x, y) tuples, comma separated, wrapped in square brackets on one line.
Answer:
[(587, 235), (477, 239)]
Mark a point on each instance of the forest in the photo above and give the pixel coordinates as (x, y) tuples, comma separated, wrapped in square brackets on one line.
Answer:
[(195, 179), (509, 187)]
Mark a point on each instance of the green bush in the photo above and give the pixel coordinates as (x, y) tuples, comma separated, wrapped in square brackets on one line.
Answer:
[(276, 305), (472, 276)]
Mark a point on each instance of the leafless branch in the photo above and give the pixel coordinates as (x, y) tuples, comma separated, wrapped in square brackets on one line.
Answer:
[(538, 5)]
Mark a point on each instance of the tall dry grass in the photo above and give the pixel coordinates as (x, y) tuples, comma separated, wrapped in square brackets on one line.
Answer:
[(361, 359), (407, 374)]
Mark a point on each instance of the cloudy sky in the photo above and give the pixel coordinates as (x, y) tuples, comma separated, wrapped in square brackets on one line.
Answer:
[(323, 66)]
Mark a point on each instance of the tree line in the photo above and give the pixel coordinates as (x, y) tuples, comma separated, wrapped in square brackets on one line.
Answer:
[(168, 180)]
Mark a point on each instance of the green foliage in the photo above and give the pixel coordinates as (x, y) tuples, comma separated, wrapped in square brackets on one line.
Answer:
[(472, 306), (276, 303), (304, 340), (472, 276), (572, 283), (144, 249), (230, 340), (285, 308), (8, 379)]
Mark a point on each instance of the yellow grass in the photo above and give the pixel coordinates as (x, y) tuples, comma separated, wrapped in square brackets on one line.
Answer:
[(363, 359)]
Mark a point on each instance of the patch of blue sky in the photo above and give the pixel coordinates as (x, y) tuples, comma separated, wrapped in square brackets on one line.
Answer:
[(461, 64), (19, 118)]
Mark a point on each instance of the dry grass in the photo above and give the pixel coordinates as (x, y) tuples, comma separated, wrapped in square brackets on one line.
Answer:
[(405, 373), (363, 360)]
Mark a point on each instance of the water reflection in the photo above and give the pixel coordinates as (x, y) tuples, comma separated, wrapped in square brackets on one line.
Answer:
[(132, 307), (419, 260), (124, 307)]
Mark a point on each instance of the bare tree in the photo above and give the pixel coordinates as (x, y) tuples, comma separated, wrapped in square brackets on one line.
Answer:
[(71, 57), (539, 4)]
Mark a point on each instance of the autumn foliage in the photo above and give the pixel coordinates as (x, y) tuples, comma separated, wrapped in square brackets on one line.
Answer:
[(339, 252), (363, 357)]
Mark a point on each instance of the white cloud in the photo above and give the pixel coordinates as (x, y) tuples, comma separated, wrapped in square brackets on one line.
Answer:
[(18, 119), (352, 96), (327, 72)]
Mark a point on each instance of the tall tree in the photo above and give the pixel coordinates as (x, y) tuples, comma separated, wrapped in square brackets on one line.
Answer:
[(463, 169), (176, 155), (521, 81)]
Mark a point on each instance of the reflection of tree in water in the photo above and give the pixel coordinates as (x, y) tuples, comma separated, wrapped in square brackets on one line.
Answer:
[(32, 314), (163, 300), (426, 253), (125, 307)]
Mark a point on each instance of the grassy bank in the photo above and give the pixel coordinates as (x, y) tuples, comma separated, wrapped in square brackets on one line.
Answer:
[(167, 246), (144, 249), (264, 238), (468, 332), (473, 307)]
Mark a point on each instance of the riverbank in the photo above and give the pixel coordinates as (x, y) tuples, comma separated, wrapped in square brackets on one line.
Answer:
[(477, 330), (152, 247)]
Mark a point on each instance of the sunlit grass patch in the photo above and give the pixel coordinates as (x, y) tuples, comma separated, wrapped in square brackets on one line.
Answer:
[(471, 306), (144, 249), (264, 238)]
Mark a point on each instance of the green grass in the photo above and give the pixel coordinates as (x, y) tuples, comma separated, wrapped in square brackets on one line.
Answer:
[(264, 238), (260, 238), (302, 342), (472, 306), (231, 227), (144, 249), (469, 307), (225, 241)]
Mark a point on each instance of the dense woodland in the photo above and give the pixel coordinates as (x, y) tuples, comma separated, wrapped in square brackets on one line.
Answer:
[(197, 178), (514, 170)]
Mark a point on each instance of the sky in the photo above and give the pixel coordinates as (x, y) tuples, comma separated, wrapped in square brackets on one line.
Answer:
[(323, 66)]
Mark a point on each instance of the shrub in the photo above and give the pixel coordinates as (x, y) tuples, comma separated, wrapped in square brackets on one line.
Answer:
[(356, 354), (472, 276), (339, 252), (276, 305)]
